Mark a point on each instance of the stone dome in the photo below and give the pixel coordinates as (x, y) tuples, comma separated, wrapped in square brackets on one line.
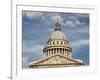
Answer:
[(57, 43), (57, 35)]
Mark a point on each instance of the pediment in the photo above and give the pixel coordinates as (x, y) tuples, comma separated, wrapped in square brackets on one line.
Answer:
[(56, 59)]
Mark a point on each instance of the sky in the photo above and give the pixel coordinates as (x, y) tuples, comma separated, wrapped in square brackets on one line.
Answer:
[(38, 26)]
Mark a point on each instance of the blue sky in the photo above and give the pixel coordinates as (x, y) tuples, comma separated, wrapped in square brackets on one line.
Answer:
[(38, 26)]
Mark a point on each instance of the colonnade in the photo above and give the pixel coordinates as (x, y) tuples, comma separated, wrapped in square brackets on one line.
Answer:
[(50, 52)]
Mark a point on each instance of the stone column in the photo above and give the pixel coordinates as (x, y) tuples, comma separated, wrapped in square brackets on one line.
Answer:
[(62, 51), (55, 50), (65, 53), (70, 54), (52, 51), (49, 52), (45, 53)]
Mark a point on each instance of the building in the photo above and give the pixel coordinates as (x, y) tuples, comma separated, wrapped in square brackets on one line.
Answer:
[(57, 52)]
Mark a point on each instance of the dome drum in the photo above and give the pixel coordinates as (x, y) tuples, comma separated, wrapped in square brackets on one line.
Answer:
[(62, 47), (53, 51)]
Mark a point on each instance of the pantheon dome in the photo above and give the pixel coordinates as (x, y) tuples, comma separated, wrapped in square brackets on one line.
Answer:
[(57, 35), (57, 52), (57, 43)]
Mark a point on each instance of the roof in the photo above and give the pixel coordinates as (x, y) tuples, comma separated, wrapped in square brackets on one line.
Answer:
[(62, 61)]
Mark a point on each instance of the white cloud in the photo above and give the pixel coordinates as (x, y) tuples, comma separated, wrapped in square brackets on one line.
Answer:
[(82, 15), (32, 14), (79, 43), (32, 49), (78, 22), (50, 30), (72, 23), (85, 29), (25, 62), (72, 17)]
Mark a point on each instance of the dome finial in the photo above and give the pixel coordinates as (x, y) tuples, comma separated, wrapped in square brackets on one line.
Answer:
[(57, 19), (57, 25)]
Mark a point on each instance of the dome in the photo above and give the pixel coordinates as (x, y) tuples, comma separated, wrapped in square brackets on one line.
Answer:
[(57, 35)]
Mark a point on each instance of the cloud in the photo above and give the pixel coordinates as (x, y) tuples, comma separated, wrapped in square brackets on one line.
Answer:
[(79, 43), (31, 52), (84, 15), (33, 48), (25, 61), (84, 30), (73, 23), (70, 23), (31, 14), (76, 20), (50, 30), (38, 26)]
